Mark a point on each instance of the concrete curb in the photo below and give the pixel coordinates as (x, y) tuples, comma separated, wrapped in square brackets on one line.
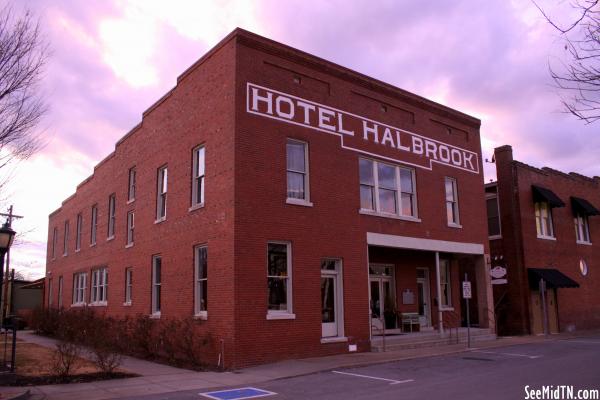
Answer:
[(21, 396)]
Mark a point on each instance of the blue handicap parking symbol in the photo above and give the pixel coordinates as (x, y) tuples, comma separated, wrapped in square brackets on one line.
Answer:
[(238, 394)]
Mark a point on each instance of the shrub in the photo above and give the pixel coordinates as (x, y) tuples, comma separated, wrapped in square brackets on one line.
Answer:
[(65, 358)]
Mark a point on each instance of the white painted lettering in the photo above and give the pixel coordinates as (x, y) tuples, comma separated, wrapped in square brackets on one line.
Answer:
[(289, 114), (341, 126), (456, 157), (430, 149), (387, 138), (374, 130), (325, 116), (417, 145), (307, 109), (444, 153), (399, 143), (268, 99), (468, 159)]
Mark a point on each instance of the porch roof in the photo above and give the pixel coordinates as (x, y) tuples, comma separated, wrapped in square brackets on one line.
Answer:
[(407, 242)]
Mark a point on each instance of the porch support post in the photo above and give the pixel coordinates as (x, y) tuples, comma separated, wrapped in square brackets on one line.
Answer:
[(439, 293)]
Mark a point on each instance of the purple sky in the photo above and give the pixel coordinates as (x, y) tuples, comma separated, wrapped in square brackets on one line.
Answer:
[(112, 59)]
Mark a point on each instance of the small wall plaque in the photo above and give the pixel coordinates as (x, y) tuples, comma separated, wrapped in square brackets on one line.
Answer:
[(408, 297)]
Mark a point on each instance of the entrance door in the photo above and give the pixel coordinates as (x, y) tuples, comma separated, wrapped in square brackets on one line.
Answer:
[(331, 298), (383, 299), (423, 297), (537, 312)]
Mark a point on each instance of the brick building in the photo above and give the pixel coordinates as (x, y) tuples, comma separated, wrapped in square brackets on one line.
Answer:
[(292, 205), (543, 228)]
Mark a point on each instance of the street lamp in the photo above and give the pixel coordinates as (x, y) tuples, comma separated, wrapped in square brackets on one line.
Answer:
[(7, 235)]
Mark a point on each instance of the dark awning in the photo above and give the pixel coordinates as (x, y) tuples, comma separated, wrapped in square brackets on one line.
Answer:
[(553, 277), (541, 194), (583, 206)]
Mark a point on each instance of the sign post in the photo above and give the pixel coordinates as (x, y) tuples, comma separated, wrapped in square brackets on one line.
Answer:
[(467, 294)]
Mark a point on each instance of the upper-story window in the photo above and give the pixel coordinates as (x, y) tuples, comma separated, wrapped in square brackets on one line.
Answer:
[(452, 202), (297, 172), (54, 241), (387, 189), (543, 220), (130, 227), (131, 185), (582, 210), (161, 198), (582, 228), (94, 225), (66, 239), (99, 286), (198, 176), (111, 215), (78, 229)]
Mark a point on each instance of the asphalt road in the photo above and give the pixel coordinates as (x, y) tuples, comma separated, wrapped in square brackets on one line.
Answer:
[(498, 373)]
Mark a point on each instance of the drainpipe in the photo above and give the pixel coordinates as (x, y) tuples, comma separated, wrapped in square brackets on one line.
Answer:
[(439, 293)]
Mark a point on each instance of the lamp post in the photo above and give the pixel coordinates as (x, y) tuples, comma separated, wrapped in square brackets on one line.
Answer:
[(7, 235)]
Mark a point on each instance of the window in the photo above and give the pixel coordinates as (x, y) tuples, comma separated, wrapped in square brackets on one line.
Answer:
[(279, 281), (60, 291), (387, 189), (493, 216), (54, 240), (156, 284), (452, 202), (582, 228), (66, 239), (131, 185), (161, 200), (198, 177), (445, 283), (78, 232), (130, 227), (128, 285), (50, 292), (201, 282), (543, 220), (94, 225), (99, 286), (297, 172), (79, 288), (111, 216), (583, 268)]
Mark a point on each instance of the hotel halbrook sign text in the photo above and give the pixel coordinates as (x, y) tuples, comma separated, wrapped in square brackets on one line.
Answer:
[(350, 127)]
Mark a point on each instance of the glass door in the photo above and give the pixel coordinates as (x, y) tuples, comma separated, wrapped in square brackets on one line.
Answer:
[(423, 297), (328, 306)]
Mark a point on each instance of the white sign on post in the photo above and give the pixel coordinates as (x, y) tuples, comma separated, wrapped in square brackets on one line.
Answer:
[(466, 287)]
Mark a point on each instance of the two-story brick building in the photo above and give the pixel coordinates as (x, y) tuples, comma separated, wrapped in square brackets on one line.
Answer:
[(292, 205), (543, 228)]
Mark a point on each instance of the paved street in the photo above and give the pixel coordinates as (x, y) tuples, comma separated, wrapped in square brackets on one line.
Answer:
[(497, 373)]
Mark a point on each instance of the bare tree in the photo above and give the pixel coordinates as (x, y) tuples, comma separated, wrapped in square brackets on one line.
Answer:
[(23, 54), (579, 76)]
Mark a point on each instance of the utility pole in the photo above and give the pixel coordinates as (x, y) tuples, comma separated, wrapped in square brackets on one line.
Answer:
[(4, 282)]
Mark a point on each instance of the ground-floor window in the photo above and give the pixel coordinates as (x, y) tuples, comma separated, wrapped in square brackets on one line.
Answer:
[(201, 280), (279, 272), (79, 288), (128, 285), (99, 286), (156, 284), (60, 291), (445, 283)]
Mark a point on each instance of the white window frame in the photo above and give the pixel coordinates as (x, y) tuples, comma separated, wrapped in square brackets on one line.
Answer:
[(497, 198), (198, 176), (306, 174), (94, 225), (162, 182), (544, 224), (131, 181), (156, 287), (78, 229), (54, 242), (99, 288), (582, 229), (112, 210), (66, 239), (398, 215), (447, 301), (128, 286), (130, 228), (288, 312), (198, 282), (60, 291), (452, 203), (79, 288)]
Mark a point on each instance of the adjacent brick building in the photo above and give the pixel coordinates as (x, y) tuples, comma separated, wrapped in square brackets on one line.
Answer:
[(292, 205), (543, 226)]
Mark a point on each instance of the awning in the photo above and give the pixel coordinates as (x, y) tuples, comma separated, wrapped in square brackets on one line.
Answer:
[(553, 277), (583, 206), (541, 194)]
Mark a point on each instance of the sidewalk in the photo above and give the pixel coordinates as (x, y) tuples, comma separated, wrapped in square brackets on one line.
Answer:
[(157, 378)]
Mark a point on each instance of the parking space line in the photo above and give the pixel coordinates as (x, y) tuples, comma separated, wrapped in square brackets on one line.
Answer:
[(393, 381), (581, 341), (508, 354)]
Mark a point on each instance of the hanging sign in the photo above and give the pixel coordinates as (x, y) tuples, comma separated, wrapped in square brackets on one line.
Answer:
[(498, 274)]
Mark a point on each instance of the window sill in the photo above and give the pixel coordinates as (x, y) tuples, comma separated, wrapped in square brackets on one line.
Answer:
[(455, 226), (494, 237), (155, 315), (447, 308), (129, 245), (108, 239), (66, 254), (391, 216), (78, 305), (98, 304), (546, 237), (127, 304), (281, 316), (196, 207), (93, 245), (77, 250), (130, 201), (584, 243), (334, 339), (298, 202), (158, 221), (202, 315)]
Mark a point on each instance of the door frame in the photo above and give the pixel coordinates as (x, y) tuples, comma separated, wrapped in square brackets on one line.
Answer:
[(427, 284), (380, 278), (338, 280)]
